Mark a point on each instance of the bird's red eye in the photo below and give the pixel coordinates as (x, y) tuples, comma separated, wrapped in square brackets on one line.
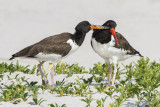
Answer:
[(107, 24)]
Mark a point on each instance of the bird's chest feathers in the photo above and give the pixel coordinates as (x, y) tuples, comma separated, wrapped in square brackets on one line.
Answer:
[(101, 49), (107, 49)]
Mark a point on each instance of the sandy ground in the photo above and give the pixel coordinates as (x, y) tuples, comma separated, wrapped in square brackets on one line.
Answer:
[(70, 101), (24, 22)]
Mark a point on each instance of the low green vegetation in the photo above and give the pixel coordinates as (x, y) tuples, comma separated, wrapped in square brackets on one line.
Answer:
[(63, 68), (88, 100), (4, 67), (140, 80), (56, 105)]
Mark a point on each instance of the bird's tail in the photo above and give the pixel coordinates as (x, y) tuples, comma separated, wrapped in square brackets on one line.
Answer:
[(12, 57), (139, 54)]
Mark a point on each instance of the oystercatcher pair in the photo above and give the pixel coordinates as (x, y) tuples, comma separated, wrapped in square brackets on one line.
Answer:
[(56, 47)]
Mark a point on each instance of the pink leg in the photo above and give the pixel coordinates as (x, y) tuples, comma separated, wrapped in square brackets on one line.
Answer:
[(114, 73), (43, 75), (110, 71), (52, 77)]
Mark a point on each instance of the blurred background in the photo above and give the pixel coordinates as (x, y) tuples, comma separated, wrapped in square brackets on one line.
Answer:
[(25, 22)]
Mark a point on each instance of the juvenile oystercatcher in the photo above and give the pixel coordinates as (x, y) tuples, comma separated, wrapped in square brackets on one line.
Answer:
[(56, 47), (111, 46)]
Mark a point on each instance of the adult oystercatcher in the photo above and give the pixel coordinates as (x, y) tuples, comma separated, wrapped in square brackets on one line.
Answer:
[(111, 46), (56, 47)]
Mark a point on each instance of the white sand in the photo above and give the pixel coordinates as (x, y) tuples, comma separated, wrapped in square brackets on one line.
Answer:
[(70, 101)]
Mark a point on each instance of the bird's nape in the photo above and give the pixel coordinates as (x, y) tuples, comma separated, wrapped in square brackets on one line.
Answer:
[(110, 23)]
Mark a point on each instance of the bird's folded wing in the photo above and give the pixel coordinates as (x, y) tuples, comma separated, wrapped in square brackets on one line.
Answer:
[(124, 44)]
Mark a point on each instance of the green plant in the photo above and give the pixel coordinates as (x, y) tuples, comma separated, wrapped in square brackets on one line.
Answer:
[(88, 100), (82, 89), (51, 90), (16, 101), (88, 80), (32, 87), (1, 76), (64, 89), (4, 67), (43, 87), (100, 88), (103, 70), (140, 79), (56, 105), (98, 79), (60, 82), (13, 92), (147, 76), (100, 103), (9, 94), (125, 91), (100, 69), (34, 90), (37, 101), (110, 92), (76, 69), (63, 68)]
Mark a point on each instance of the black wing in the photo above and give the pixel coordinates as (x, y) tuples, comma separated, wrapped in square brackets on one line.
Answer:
[(124, 44)]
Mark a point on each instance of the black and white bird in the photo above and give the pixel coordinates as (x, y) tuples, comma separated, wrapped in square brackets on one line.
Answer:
[(111, 46), (56, 47)]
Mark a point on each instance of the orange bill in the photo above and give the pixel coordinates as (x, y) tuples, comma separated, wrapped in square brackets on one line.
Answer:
[(114, 35), (98, 27)]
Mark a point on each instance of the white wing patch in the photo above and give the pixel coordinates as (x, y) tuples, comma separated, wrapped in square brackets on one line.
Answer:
[(73, 45)]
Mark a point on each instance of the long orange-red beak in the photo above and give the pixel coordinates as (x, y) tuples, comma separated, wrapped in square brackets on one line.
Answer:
[(114, 35), (98, 27)]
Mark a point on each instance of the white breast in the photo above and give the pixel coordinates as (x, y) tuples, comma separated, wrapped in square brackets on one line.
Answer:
[(109, 51), (73, 45)]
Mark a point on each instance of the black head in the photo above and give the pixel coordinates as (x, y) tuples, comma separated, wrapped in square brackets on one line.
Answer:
[(110, 24), (83, 26)]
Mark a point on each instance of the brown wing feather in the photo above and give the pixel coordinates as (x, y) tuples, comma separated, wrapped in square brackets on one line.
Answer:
[(60, 38), (23, 52), (53, 44), (124, 44), (61, 49)]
